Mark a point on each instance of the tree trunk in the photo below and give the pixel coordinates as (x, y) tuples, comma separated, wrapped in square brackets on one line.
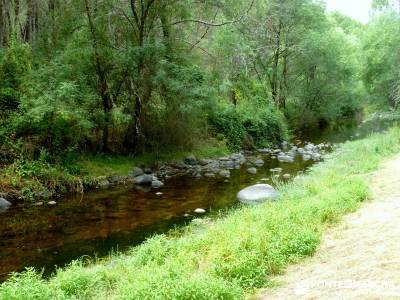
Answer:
[(284, 85), (2, 25), (234, 77), (102, 81), (274, 81), (135, 138)]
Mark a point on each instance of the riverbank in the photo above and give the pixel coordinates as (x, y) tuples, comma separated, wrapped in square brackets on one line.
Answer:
[(33, 180), (231, 256)]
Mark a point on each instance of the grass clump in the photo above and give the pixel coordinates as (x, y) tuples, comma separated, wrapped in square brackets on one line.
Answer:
[(233, 254)]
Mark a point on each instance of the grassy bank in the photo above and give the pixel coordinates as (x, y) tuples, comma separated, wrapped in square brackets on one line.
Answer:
[(30, 180), (233, 255)]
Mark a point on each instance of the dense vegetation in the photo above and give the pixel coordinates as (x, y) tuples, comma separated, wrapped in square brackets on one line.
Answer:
[(82, 77), (227, 257)]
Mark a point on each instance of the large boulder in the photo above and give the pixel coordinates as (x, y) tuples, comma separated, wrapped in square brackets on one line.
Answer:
[(143, 180), (257, 193), (4, 204)]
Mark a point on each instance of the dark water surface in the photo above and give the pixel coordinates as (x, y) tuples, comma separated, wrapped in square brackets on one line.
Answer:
[(105, 220)]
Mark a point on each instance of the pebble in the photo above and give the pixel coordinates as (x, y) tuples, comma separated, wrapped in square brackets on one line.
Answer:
[(199, 210)]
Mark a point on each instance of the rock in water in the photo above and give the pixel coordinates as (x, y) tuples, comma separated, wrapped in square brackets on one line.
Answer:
[(225, 173), (103, 184), (4, 204), (252, 170), (156, 184), (259, 163), (199, 210), (257, 193), (143, 180)]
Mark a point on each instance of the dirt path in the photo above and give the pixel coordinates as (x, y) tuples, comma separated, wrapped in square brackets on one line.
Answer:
[(360, 259)]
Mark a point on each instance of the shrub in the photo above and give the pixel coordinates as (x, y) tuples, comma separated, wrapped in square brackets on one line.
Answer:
[(250, 128)]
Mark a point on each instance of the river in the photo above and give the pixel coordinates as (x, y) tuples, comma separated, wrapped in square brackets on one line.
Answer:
[(101, 221)]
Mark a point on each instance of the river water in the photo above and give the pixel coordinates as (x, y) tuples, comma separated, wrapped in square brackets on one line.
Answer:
[(94, 224)]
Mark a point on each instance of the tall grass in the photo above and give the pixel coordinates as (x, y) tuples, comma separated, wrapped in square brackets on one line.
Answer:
[(234, 254)]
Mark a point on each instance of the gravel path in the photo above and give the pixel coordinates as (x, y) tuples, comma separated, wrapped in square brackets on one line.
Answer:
[(360, 259)]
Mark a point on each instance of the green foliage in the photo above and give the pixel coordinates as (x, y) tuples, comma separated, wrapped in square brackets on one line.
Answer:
[(105, 77), (244, 128), (381, 56), (35, 179), (232, 255), (14, 63)]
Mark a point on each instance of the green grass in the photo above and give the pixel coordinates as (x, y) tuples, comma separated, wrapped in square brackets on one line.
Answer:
[(232, 255)]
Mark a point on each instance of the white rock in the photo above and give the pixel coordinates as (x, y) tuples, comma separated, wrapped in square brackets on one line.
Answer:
[(257, 193), (199, 210)]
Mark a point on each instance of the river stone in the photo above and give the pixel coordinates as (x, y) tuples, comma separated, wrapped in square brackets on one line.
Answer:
[(104, 183), (52, 203), (316, 156), (4, 204), (257, 193), (199, 210), (276, 170), (286, 158), (209, 175), (180, 165), (157, 184), (286, 176), (225, 173), (114, 179), (204, 162), (191, 160), (259, 163), (252, 171), (136, 172), (309, 147), (264, 151), (147, 170), (143, 179)]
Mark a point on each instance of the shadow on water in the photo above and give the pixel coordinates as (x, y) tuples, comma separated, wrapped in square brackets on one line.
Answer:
[(116, 219)]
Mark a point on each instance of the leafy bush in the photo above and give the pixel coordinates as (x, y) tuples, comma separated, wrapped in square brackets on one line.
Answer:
[(14, 63), (249, 128)]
